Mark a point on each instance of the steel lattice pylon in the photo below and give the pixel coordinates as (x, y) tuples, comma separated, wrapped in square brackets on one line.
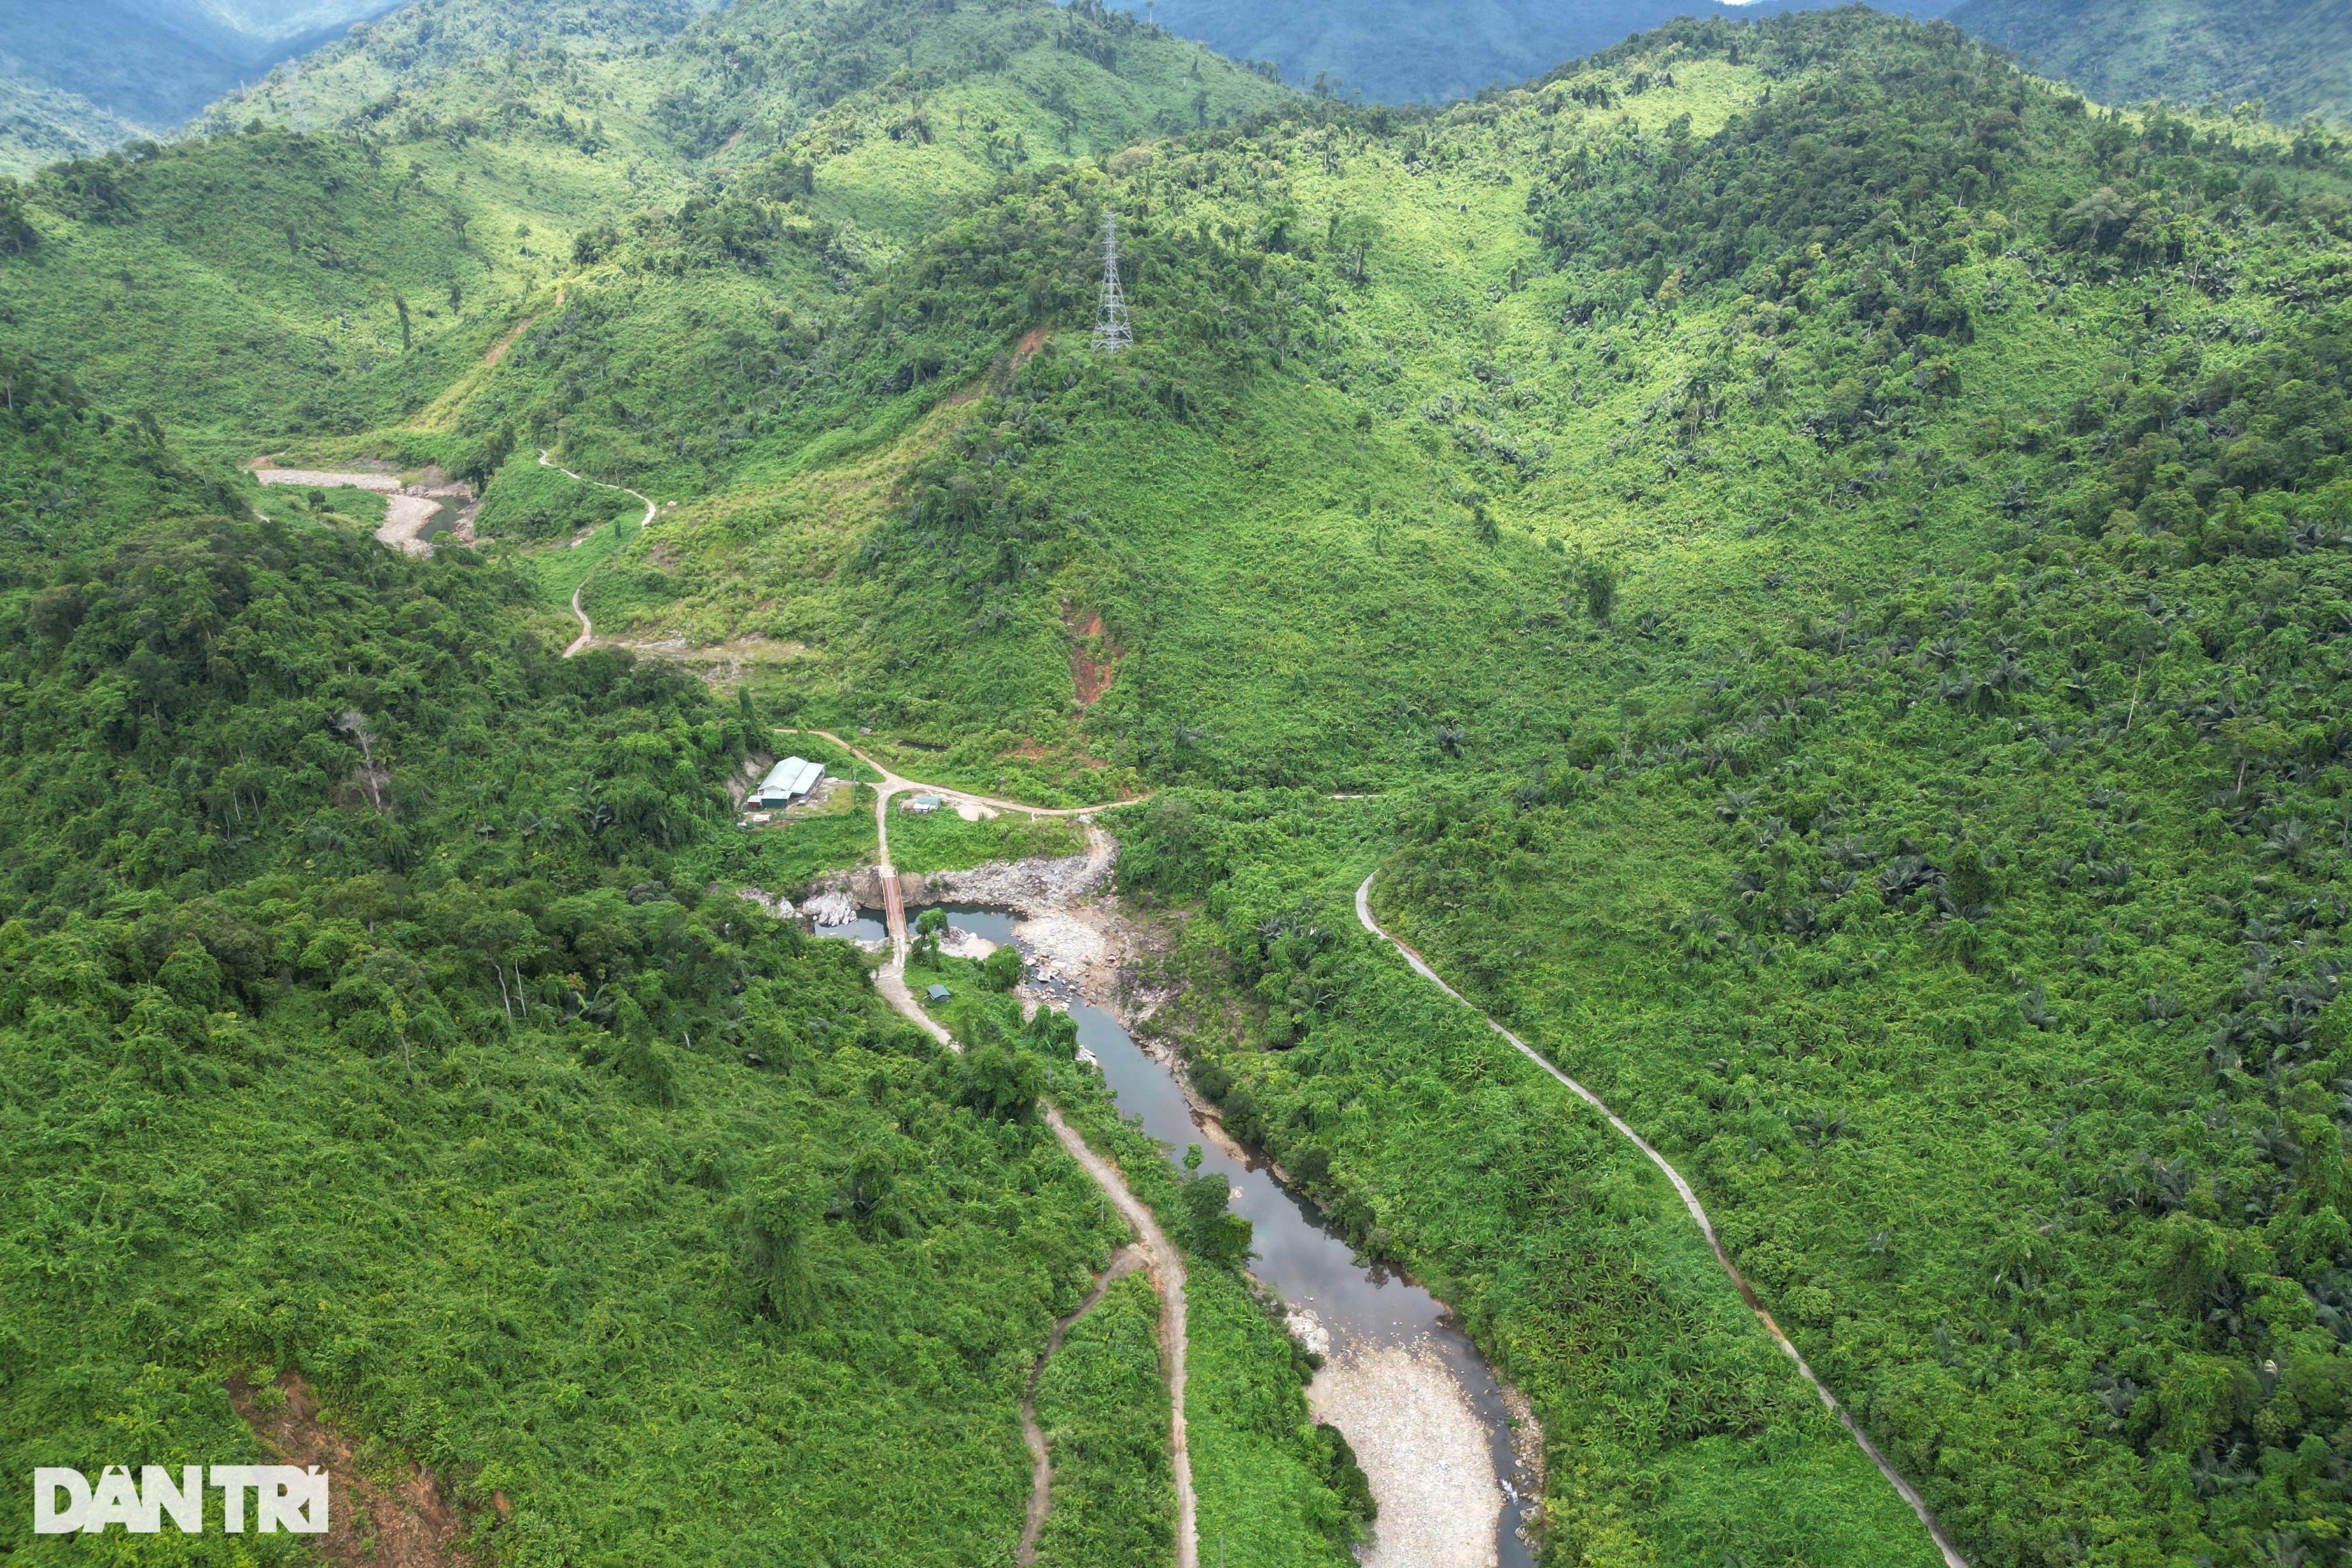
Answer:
[(1113, 332)]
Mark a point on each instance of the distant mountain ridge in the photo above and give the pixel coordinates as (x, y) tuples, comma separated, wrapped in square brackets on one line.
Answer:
[(2295, 56), (1408, 51), (78, 76)]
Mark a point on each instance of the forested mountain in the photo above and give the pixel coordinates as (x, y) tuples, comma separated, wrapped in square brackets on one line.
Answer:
[(1812, 563), (2293, 56)]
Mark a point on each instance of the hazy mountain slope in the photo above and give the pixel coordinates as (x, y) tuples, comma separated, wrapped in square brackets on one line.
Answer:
[(886, 112), (291, 257), (1401, 50), (80, 77), (410, 51), (2296, 56), (39, 125)]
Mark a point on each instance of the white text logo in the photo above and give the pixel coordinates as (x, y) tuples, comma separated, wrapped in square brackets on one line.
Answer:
[(285, 1497)]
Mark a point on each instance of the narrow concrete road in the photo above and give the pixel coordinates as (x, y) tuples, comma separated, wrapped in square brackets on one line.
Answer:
[(1952, 1558), (587, 632), (647, 521)]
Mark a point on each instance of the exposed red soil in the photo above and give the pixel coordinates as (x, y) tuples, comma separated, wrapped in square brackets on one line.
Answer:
[(1094, 660), (499, 350), (368, 1525), (1034, 340)]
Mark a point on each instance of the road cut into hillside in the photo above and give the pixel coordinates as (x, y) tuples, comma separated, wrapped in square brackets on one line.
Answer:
[(1689, 1196), (651, 510)]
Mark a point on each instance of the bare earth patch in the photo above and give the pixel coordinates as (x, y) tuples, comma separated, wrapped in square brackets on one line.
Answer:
[(370, 1524), (408, 509), (1094, 661)]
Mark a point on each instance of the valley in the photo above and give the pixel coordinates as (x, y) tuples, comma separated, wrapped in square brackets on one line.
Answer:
[(1799, 568)]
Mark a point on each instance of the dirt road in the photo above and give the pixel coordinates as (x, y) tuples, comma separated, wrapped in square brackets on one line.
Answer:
[(1165, 1264), (647, 521), (587, 630), (893, 785), (1952, 1557), (1130, 1258)]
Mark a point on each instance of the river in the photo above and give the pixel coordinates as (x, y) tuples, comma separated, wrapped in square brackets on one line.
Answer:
[(1400, 1379)]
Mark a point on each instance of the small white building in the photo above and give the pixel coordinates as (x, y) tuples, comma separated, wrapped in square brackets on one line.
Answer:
[(787, 783), (923, 804)]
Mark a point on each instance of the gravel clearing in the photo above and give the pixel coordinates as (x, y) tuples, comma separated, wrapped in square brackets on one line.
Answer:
[(1423, 1449), (962, 944), (1032, 887), (316, 479)]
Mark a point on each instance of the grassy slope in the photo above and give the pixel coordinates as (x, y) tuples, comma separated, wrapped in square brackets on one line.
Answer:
[(40, 124), (185, 292)]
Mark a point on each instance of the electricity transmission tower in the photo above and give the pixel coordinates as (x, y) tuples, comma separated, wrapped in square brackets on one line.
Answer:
[(1113, 333)]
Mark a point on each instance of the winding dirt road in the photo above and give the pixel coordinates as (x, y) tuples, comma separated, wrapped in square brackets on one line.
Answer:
[(1130, 1258), (650, 508), (587, 630), (1952, 1558), (1162, 1260)]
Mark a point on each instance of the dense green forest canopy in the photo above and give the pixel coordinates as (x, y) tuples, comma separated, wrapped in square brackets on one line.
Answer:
[(457, 1081), (1827, 549)]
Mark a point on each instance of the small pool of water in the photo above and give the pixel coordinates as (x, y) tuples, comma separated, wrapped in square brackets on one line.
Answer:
[(1361, 1305), (872, 925), (869, 926), (996, 925)]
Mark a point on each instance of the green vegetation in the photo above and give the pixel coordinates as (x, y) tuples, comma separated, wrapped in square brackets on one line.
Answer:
[(527, 502), (1675, 1425), (570, 565), (1104, 1411), (2291, 58), (40, 125), (1270, 1484), (387, 931), (1830, 552), (945, 842)]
